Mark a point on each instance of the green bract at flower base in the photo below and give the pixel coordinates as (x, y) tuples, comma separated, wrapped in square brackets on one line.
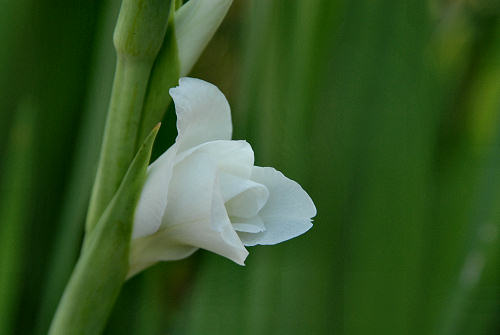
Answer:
[(103, 264)]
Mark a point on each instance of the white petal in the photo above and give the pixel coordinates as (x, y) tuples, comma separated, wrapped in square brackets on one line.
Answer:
[(251, 225), (203, 113), (150, 249), (278, 229), (203, 235), (286, 197), (180, 241), (192, 186), (287, 213), (153, 200), (227, 243), (231, 157), (195, 213), (195, 24), (244, 198), (248, 203), (175, 242), (190, 191)]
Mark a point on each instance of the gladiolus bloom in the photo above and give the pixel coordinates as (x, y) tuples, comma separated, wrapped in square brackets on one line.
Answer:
[(205, 192)]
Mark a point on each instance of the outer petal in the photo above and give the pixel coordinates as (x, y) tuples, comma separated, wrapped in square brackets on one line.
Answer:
[(195, 213), (288, 211), (150, 249), (153, 200), (194, 175), (230, 157), (190, 191), (203, 113), (286, 199), (180, 241)]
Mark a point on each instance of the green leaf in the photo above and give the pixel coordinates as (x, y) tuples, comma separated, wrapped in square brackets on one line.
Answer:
[(103, 264), (70, 223), (141, 27)]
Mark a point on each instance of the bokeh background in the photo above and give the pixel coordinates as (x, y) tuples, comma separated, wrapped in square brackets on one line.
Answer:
[(386, 111)]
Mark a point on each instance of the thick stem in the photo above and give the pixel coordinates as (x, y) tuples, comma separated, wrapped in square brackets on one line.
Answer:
[(138, 37), (119, 143), (103, 264)]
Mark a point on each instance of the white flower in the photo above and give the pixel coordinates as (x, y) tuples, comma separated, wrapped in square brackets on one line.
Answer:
[(205, 192)]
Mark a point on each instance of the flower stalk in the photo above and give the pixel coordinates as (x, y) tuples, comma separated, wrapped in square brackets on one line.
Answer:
[(103, 263), (138, 37)]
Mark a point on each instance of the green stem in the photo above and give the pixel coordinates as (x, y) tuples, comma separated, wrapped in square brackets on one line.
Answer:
[(138, 37), (127, 97), (101, 269)]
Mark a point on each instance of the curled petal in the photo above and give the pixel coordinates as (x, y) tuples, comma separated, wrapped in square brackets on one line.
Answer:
[(286, 197), (278, 229), (203, 113), (248, 203), (287, 213), (244, 198), (227, 243), (195, 213), (191, 190), (195, 218), (251, 225), (230, 157)]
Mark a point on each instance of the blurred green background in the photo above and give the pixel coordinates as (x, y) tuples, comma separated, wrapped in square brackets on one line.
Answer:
[(387, 112)]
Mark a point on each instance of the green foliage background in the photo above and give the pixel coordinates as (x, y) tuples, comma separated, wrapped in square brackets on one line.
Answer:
[(387, 112)]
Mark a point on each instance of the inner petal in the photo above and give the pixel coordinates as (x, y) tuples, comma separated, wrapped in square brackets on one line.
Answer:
[(251, 225), (249, 202)]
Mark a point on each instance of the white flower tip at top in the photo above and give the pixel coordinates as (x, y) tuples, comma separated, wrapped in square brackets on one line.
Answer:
[(195, 24), (205, 192)]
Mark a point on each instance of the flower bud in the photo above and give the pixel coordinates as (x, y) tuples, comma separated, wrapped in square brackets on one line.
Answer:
[(195, 24), (141, 28)]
